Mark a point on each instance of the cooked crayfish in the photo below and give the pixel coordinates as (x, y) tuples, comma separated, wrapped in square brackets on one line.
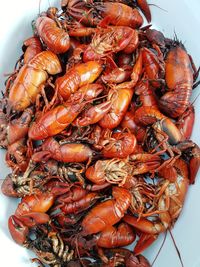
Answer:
[(31, 78)]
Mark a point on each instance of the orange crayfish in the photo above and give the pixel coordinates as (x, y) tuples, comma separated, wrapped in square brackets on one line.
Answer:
[(31, 78)]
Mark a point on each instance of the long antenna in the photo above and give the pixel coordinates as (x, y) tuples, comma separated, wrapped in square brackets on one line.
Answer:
[(177, 250), (158, 253), (195, 98), (158, 7), (77, 249), (40, 1), (195, 84)]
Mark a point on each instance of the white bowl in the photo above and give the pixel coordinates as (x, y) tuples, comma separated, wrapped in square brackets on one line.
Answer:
[(180, 17)]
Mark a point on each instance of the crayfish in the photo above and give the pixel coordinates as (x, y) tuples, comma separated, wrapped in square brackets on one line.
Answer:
[(96, 120)]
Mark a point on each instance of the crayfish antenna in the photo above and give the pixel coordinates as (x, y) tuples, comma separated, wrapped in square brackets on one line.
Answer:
[(78, 253), (177, 250), (159, 7), (177, 42), (196, 84), (36, 260), (163, 242), (39, 8), (158, 253), (196, 96)]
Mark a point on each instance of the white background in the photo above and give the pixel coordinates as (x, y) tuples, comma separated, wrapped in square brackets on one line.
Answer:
[(182, 17)]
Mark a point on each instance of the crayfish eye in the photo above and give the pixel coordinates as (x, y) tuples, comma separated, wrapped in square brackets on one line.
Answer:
[(94, 154)]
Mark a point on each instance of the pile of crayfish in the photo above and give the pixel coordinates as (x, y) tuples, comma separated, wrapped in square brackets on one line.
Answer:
[(96, 120)]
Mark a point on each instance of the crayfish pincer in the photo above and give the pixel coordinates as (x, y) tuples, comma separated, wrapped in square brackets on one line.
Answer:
[(78, 76), (107, 213), (69, 152), (57, 119), (30, 212)]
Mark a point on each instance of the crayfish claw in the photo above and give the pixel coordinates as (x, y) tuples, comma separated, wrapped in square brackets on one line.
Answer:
[(18, 230)]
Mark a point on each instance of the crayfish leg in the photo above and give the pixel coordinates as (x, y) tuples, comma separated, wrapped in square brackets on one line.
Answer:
[(145, 241)]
